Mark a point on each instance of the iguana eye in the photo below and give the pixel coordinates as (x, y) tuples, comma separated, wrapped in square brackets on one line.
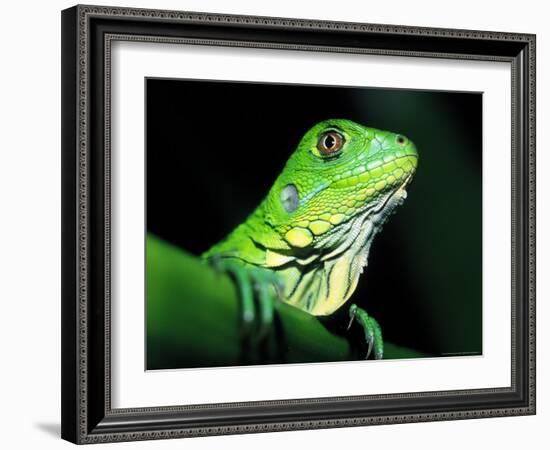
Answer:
[(330, 143)]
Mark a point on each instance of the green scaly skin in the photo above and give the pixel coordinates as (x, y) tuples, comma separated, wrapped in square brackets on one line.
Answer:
[(309, 239)]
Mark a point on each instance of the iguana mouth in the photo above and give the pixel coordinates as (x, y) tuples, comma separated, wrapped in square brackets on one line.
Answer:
[(395, 199)]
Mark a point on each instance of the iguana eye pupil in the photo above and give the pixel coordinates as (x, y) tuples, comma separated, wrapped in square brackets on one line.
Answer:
[(330, 143)]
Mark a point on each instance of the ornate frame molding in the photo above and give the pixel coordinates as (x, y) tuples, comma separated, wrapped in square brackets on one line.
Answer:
[(88, 32)]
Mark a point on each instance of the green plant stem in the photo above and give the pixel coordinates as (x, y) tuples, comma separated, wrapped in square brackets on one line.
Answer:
[(193, 319)]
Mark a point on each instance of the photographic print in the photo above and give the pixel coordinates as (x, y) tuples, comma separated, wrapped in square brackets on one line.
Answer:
[(305, 223)]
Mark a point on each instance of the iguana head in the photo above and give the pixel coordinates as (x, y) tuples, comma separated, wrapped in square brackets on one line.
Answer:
[(335, 192)]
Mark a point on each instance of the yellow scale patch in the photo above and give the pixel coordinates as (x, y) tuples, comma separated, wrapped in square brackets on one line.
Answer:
[(380, 185), (274, 259), (319, 227), (298, 237), (335, 219)]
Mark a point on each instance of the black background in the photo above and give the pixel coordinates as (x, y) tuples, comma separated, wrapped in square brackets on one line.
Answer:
[(215, 148)]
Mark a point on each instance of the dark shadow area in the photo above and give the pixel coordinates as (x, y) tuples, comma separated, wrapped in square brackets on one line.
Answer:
[(52, 429)]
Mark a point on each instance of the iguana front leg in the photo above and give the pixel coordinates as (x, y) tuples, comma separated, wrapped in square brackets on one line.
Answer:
[(373, 333), (258, 289)]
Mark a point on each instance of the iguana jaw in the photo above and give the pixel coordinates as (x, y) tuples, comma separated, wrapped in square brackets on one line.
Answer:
[(343, 236), (395, 199), (329, 279)]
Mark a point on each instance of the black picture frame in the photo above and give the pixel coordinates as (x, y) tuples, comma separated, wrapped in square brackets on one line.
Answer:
[(87, 33)]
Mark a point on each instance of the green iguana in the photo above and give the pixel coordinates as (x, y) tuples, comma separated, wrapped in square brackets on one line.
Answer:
[(308, 241)]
